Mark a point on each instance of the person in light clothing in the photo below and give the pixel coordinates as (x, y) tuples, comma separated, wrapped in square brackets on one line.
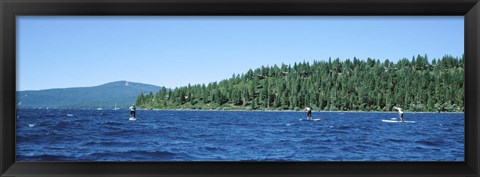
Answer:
[(309, 113), (133, 110), (400, 112)]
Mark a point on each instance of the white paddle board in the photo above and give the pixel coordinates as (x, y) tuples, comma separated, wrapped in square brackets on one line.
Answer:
[(132, 119), (397, 121), (309, 120)]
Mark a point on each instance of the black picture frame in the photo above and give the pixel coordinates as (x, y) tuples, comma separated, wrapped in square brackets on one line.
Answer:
[(9, 9)]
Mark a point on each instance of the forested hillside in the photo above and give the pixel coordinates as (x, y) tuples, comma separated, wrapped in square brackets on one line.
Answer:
[(335, 85)]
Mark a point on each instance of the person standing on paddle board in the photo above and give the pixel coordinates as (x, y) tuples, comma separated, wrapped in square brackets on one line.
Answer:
[(309, 113), (133, 110), (400, 112)]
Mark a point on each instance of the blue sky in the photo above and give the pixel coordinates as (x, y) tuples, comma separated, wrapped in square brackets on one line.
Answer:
[(171, 51)]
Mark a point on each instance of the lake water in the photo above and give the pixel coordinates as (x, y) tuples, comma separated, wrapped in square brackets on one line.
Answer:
[(108, 135)]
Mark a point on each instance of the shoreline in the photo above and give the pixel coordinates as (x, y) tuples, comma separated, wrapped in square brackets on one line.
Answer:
[(233, 110), (203, 110)]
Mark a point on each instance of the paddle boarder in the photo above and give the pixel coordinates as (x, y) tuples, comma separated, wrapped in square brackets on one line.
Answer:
[(309, 113), (133, 110), (400, 112)]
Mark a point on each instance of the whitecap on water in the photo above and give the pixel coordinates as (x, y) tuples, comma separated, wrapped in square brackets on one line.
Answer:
[(31, 125), (70, 115), (289, 124)]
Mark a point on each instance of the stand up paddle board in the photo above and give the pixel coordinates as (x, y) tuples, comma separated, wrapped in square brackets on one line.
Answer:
[(316, 120), (131, 118), (397, 121)]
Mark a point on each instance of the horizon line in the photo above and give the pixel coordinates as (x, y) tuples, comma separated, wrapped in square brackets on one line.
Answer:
[(279, 65)]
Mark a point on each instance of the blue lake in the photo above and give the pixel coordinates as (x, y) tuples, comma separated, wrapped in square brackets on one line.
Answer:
[(108, 135)]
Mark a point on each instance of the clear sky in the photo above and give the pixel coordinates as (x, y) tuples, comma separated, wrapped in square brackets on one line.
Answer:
[(171, 51)]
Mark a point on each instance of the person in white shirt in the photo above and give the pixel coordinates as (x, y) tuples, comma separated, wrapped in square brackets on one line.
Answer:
[(400, 112), (309, 113), (133, 110)]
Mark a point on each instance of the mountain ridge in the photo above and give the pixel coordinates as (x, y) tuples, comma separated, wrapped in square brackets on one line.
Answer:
[(122, 93)]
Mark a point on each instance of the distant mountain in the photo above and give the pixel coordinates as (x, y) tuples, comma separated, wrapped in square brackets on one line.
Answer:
[(121, 93)]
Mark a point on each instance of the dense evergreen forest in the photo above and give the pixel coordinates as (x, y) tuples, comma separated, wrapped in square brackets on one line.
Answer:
[(350, 85)]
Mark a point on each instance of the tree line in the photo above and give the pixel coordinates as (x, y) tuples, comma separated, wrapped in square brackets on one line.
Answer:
[(414, 84)]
